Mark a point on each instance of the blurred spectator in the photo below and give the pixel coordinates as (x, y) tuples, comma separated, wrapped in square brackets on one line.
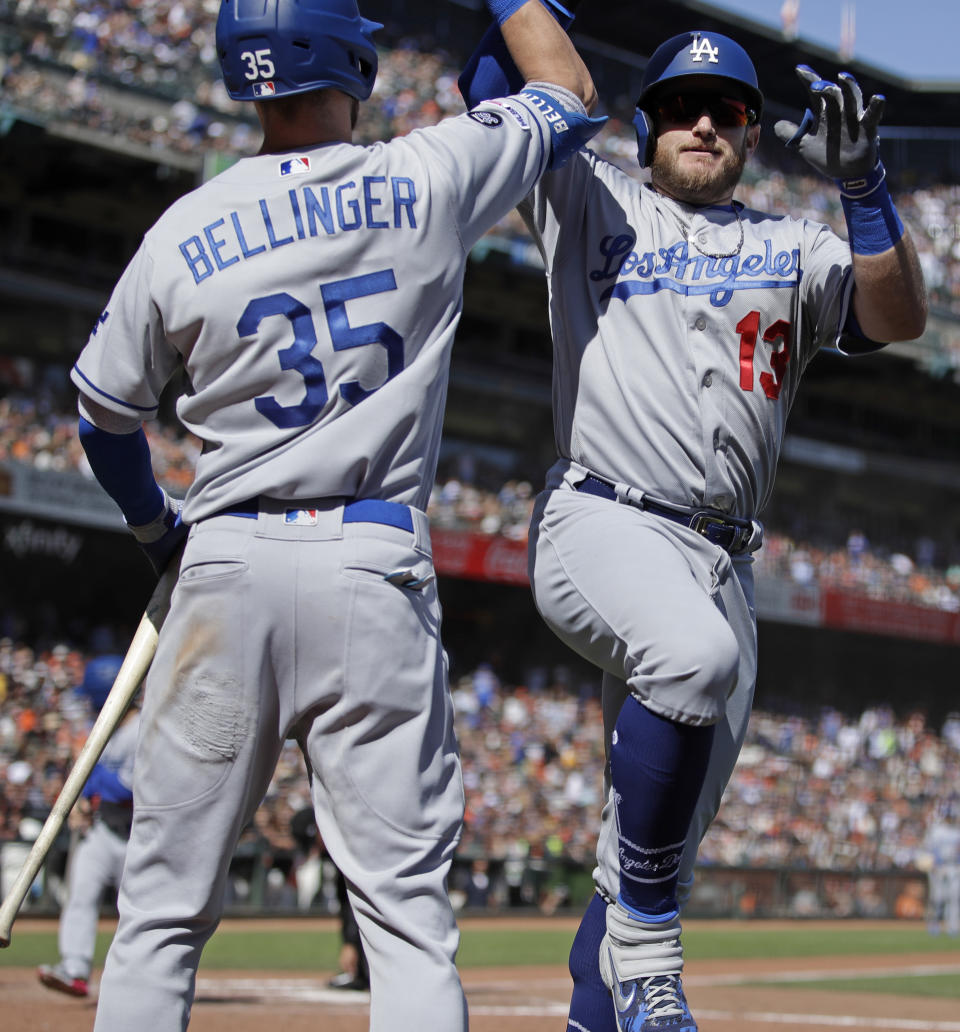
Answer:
[(835, 791)]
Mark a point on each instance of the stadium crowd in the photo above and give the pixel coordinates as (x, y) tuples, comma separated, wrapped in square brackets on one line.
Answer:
[(827, 790), (38, 427), (147, 72)]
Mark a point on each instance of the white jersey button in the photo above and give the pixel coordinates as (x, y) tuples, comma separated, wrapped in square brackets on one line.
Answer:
[(707, 380), (701, 323)]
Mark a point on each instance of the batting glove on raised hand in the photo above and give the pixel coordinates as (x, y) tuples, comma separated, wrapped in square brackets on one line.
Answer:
[(836, 135), (161, 537)]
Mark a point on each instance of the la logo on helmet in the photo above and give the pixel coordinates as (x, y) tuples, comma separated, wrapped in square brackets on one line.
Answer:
[(703, 48)]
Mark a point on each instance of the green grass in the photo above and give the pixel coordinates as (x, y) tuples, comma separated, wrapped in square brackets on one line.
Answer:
[(296, 950), (310, 949), (756, 939), (945, 986)]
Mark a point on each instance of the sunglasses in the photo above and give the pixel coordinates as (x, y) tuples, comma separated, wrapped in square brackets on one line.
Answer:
[(686, 109)]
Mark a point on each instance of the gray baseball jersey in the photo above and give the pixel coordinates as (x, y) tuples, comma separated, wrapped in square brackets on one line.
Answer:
[(697, 357), (680, 335), (312, 298)]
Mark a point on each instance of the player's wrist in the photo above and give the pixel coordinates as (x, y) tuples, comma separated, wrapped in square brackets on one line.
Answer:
[(858, 187), (501, 10), (504, 9), (154, 529), (873, 225), (161, 537)]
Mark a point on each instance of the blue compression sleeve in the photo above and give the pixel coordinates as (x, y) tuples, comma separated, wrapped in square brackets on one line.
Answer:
[(490, 71), (121, 464)]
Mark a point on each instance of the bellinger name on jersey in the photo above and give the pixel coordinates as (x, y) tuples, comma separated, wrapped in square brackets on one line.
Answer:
[(303, 213), (683, 271)]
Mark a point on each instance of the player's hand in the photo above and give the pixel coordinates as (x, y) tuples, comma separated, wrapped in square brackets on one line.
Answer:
[(81, 816), (836, 135), (160, 538)]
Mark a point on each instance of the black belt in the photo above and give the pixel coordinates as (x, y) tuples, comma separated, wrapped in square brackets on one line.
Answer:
[(728, 532), (363, 510)]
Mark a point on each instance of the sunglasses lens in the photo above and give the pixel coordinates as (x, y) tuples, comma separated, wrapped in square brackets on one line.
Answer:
[(681, 108), (734, 111), (686, 108)]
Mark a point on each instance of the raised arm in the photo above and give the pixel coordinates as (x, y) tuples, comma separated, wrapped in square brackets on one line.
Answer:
[(542, 50), (528, 43), (838, 137)]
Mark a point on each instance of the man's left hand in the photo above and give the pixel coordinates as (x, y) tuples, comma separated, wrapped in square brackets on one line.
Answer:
[(836, 135)]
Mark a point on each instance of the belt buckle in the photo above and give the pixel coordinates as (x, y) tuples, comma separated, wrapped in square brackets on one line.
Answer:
[(701, 522)]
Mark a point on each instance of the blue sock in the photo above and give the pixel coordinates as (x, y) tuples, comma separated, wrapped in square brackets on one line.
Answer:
[(657, 767), (591, 1006)]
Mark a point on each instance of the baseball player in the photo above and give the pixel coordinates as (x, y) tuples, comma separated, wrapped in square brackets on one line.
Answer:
[(101, 823), (942, 847), (310, 295), (682, 322)]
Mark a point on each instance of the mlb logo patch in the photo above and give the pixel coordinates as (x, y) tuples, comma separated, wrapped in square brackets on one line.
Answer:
[(300, 517), (295, 166), (264, 89)]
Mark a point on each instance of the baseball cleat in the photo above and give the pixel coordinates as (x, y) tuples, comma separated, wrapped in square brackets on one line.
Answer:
[(645, 997), (57, 978), (654, 1004), (349, 982)]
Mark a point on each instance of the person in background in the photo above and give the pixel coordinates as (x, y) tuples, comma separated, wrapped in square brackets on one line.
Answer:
[(100, 828)]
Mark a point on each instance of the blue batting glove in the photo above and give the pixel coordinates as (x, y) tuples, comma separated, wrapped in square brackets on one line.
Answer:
[(161, 537)]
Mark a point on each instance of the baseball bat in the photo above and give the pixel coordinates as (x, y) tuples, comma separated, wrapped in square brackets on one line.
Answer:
[(135, 665)]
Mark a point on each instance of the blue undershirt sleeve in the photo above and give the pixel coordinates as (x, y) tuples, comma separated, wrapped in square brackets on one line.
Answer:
[(121, 463)]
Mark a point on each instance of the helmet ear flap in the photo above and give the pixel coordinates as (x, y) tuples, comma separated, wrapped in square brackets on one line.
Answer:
[(646, 137)]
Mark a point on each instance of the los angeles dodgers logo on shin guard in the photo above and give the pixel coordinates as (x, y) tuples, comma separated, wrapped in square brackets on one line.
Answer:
[(645, 864)]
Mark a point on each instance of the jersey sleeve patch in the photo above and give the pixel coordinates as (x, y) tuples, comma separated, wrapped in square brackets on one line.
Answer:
[(487, 118), (515, 112)]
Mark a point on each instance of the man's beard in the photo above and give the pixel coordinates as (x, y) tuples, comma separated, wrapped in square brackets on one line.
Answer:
[(697, 185)]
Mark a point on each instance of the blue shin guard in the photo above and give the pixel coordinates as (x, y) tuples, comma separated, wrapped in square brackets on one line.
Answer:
[(657, 767)]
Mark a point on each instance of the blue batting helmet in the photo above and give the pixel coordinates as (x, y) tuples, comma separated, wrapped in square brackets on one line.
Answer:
[(693, 55), (273, 48), (98, 678)]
